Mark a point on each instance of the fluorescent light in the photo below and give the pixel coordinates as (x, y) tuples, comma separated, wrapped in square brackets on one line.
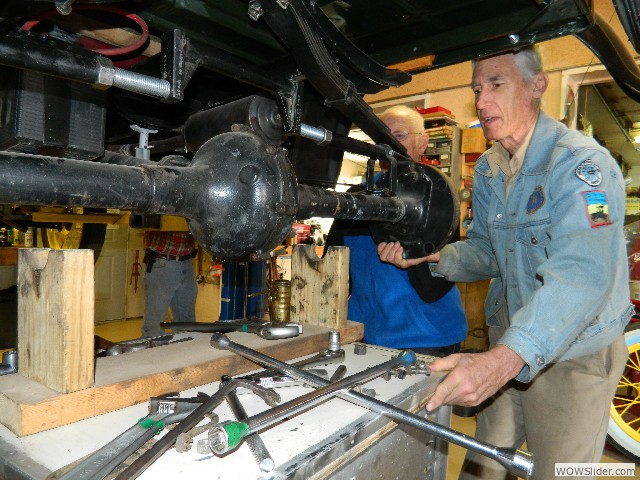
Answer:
[(636, 139)]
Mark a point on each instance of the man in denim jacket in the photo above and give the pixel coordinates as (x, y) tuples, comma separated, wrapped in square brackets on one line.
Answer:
[(549, 209)]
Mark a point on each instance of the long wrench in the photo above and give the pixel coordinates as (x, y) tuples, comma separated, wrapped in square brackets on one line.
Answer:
[(516, 461), (165, 443), (228, 435), (266, 330), (163, 411), (254, 442)]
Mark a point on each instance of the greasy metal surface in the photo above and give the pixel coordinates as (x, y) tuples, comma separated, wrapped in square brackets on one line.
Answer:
[(290, 45), (434, 220), (428, 27)]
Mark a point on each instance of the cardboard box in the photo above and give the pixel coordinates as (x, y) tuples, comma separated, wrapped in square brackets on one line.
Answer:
[(634, 288), (632, 206), (473, 141)]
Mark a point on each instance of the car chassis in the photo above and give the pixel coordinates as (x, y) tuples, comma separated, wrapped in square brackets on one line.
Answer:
[(239, 187)]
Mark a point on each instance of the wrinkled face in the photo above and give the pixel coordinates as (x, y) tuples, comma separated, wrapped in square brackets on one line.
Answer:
[(506, 105), (404, 131)]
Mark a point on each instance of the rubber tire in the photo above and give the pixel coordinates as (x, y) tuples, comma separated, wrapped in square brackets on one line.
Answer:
[(625, 442), (93, 235)]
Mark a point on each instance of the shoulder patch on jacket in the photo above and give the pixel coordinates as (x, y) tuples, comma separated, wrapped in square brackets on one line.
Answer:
[(536, 200), (589, 173), (597, 208)]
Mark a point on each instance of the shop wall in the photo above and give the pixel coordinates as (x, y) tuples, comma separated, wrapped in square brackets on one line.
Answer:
[(450, 86)]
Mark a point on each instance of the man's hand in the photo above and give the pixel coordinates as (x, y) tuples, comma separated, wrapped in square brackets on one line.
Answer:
[(392, 253), (474, 377)]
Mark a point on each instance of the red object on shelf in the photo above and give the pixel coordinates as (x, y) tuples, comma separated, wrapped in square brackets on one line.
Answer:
[(430, 161), (436, 109), (302, 232), (471, 157)]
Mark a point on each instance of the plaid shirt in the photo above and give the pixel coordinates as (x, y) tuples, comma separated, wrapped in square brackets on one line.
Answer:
[(169, 243)]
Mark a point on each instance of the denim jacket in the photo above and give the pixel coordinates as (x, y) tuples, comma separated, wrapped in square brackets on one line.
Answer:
[(555, 249)]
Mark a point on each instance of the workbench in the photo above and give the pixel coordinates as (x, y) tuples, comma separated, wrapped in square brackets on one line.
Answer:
[(335, 439)]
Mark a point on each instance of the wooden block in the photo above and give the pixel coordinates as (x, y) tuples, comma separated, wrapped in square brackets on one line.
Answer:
[(473, 141), (319, 287), (28, 407), (473, 295), (8, 256), (55, 317)]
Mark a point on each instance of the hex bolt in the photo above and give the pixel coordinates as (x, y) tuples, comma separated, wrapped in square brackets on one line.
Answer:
[(255, 10), (334, 341), (360, 349), (202, 447), (185, 440)]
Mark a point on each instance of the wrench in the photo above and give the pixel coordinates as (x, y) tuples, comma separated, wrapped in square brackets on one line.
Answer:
[(334, 354), (164, 410), (518, 462), (264, 330), (254, 442), (228, 435), (274, 379), (169, 439)]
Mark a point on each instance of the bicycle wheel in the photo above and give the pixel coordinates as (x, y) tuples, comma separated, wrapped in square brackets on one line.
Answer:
[(624, 422)]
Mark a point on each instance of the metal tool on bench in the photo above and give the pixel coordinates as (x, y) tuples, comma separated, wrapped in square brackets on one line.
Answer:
[(516, 461), (254, 442), (273, 379), (9, 362), (163, 410), (106, 348), (333, 354), (266, 330), (169, 439), (228, 435)]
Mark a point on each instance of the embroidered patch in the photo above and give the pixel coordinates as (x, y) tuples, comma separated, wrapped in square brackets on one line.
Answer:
[(536, 200), (597, 208), (589, 173)]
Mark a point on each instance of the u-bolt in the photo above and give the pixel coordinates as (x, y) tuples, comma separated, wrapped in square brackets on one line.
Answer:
[(516, 461)]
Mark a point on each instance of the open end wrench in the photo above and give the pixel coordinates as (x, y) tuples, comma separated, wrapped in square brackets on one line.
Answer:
[(265, 330), (335, 355), (516, 461), (163, 411), (169, 439)]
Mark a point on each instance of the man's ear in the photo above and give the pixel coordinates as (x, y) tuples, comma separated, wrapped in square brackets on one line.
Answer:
[(540, 84), (423, 142)]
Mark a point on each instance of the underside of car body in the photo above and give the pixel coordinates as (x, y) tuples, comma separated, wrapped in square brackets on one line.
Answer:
[(235, 114)]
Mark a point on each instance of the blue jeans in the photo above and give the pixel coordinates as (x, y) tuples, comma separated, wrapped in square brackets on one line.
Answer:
[(172, 284)]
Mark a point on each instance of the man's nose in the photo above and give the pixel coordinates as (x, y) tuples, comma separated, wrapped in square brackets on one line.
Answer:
[(481, 100)]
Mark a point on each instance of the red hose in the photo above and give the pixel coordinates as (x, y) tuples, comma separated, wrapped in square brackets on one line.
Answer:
[(108, 52)]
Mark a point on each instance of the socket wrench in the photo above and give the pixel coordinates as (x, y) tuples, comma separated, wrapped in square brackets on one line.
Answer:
[(516, 461)]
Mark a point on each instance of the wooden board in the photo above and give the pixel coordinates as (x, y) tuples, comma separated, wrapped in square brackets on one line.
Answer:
[(55, 317), (473, 295), (320, 287), (27, 407), (8, 256)]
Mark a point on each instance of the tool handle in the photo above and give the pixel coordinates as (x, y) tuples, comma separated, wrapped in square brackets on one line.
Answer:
[(220, 327)]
